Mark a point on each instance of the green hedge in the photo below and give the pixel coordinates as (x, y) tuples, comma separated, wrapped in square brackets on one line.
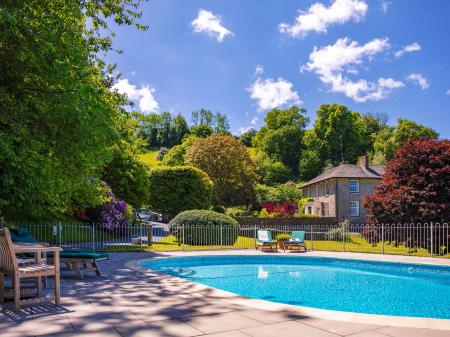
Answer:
[(200, 228), (179, 188)]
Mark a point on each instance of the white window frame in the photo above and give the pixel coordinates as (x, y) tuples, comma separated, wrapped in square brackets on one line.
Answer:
[(352, 207), (317, 190), (350, 186)]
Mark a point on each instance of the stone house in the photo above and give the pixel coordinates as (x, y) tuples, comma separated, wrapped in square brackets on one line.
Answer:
[(338, 192)]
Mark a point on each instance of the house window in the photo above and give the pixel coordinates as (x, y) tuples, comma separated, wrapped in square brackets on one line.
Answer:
[(354, 186), (354, 208), (327, 189), (317, 190)]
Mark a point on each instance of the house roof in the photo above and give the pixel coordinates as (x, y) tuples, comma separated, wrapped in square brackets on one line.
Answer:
[(346, 170)]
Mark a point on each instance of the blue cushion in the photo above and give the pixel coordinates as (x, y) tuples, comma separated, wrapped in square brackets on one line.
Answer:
[(22, 235)]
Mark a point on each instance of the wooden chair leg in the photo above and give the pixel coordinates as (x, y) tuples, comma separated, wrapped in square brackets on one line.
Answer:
[(97, 269), (76, 268), (16, 288), (57, 280), (2, 288)]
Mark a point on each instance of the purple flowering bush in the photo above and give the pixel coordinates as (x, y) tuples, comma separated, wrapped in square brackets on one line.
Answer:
[(112, 215)]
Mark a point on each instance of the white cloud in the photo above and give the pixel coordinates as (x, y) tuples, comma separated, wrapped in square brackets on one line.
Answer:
[(272, 94), (334, 62), (385, 6), (251, 126), (207, 22), (318, 17), (448, 92), (419, 80), (408, 49), (143, 95), (259, 70)]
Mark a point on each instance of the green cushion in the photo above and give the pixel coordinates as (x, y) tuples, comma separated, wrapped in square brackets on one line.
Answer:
[(83, 254)]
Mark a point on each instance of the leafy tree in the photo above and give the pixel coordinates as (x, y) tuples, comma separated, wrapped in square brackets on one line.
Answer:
[(371, 125), (247, 137), (161, 129), (389, 139), (147, 128), (58, 119), (339, 133), (202, 117), (281, 137), (176, 189), (176, 155), (311, 162), (127, 178), (221, 123), (125, 175), (201, 131), (180, 129), (227, 162), (415, 187), (271, 172)]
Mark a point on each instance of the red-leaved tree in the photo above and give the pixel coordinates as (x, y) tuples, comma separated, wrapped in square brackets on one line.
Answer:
[(416, 185)]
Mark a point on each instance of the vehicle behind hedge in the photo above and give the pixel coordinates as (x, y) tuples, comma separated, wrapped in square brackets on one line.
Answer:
[(204, 228)]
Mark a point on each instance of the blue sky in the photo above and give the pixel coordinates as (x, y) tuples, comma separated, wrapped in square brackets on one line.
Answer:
[(243, 58)]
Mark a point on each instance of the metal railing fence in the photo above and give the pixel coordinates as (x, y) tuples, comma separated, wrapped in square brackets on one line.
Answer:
[(427, 239)]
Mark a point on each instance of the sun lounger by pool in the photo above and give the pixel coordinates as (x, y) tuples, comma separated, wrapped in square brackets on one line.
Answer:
[(78, 260), (297, 241), (264, 240)]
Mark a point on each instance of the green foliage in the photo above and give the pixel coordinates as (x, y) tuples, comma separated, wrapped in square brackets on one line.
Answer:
[(58, 115), (179, 188), (238, 211), (340, 233), (176, 155), (227, 162), (201, 131), (161, 129), (218, 209), (193, 225), (279, 193), (247, 137), (282, 237), (388, 140), (281, 137), (339, 133), (271, 172), (127, 178)]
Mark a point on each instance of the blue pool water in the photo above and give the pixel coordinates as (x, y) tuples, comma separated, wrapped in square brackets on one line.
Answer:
[(337, 284)]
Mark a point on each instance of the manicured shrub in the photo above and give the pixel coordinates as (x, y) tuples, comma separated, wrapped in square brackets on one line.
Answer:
[(200, 227), (179, 188), (218, 209)]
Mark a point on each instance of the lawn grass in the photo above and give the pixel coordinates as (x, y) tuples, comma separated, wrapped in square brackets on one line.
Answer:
[(150, 158), (357, 244)]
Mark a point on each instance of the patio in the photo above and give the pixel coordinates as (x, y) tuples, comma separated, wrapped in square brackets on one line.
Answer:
[(125, 302)]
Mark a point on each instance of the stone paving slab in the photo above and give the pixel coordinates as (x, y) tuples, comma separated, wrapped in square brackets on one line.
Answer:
[(126, 303)]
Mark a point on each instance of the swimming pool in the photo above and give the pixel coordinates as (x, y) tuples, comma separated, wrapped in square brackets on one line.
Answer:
[(370, 287)]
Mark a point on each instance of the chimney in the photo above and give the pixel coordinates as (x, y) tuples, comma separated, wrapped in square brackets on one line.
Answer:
[(364, 162)]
